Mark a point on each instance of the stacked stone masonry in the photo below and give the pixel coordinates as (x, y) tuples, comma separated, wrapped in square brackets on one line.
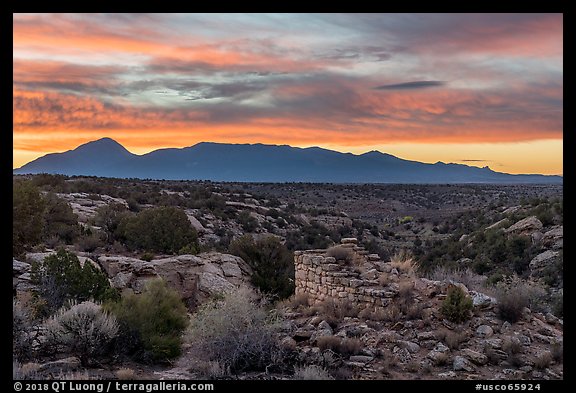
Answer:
[(322, 277)]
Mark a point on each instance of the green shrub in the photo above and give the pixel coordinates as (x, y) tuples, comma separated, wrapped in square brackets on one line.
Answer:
[(157, 317), (457, 306), (60, 277), (60, 220), (21, 338), (248, 222), (162, 229), (236, 333), (271, 262), (109, 218), (28, 209), (83, 329)]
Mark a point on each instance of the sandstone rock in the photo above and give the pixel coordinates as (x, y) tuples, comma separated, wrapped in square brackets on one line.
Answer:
[(38, 257), (370, 275), (476, 357), (402, 354), (553, 238), (497, 224), (195, 223), (195, 277), (438, 352), (231, 270), (523, 339), (448, 375), (525, 226), (349, 240), (542, 260), (494, 343), (410, 346), (361, 359), (430, 335), (288, 343), (59, 366), (19, 268), (460, 363), (536, 237), (484, 331), (481, 300), (213, 284)]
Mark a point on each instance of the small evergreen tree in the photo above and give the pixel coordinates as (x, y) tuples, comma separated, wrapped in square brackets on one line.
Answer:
[(60, 277), (157, 317), (271, 262), (457, 306)]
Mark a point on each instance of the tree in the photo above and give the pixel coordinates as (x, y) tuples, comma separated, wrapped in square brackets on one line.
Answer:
[(271, 262), (28, 210), (61, 277), (60, 220), (157, 316), (162, 229)]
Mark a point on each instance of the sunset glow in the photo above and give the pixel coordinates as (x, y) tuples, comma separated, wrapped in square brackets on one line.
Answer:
[(476, 89)]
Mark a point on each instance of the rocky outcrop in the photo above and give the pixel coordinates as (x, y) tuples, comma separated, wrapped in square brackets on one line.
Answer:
[(525, 226), (21, 276), (196, 277), (85, 206), (554, 238), (539, 263)]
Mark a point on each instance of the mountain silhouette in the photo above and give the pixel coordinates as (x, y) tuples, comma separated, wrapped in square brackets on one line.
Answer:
[(261, 163)]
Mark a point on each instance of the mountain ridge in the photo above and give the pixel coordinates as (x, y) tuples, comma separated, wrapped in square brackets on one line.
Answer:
[(259, 162)]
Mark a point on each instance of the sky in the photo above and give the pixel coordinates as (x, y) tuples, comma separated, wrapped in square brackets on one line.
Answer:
[(475, 89)]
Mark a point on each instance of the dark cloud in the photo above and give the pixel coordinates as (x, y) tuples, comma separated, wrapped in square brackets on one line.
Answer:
[(358, 53), (411, 85)]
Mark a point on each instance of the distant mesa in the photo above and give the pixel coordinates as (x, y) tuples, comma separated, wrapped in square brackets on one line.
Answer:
[(262, 163)]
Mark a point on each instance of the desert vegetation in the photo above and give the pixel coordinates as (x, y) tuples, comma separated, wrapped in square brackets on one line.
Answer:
[(116, 276)]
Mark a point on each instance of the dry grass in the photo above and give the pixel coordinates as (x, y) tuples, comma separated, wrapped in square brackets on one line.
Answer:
[(558, 353), (467, 277), (512, 346), (312, 373), (384, 279), (341, 254), (543, 360), (343, 346), (294, 302), (452, 339), (334, 311), (404, 262), (442, 360), (125, 374)]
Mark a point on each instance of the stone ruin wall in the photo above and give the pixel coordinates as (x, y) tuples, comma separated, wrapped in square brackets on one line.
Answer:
[(322, 277)]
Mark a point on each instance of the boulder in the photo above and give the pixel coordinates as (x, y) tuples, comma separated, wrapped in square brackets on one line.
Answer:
[(497, 224), (212, 284), (526, 226), (481, 300), (19, 268), (484, 331), (410, 346), (475, 357), (553, 238), (349, 240), (60, 366), (541, 261), (460, 363), (195, 277)]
